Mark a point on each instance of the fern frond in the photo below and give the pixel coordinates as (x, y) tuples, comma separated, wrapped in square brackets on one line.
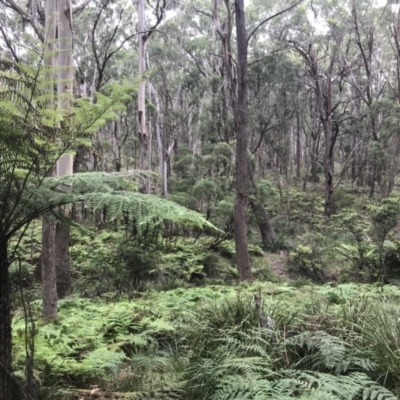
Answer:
[(106, 191), (328, 353)]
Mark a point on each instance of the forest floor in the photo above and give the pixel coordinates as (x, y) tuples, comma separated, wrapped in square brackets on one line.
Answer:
[(278, 263), (193, 328), (134, 349)]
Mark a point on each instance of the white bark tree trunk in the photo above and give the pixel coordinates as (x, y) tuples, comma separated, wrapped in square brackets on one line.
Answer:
[(65, 163), (49, 291), (142, 123)]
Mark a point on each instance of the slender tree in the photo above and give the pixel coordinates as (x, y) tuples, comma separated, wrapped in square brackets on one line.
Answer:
[(65, 163), (242, 162), (48, 254), (143, 36)]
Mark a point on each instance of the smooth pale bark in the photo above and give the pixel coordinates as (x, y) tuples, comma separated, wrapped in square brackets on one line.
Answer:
[(65, 60), (65, 163), (142, 38), (63, 268), (47, 257), (150, 139), (242, 162), (162, 166)]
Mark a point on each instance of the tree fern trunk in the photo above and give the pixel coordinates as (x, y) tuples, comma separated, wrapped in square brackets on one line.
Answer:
[(5, 326)]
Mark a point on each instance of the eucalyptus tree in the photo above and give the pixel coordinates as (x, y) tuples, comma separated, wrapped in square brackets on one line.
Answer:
[(65, 84), (180, 76), (58, 59), (103, 33), (243, 172), (324, 73), (50, 20), (48, 255), (30, 144), (392, 76), (375, 82), (369, 84), (144, 34)]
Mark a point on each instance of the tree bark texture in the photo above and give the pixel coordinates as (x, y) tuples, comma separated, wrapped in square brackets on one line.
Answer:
[(48, 260), (65, 65), (62, 238), (47, 257), (329, 166), (242, 162), (298, 147), (5, 326), (143, 139), (266, 231), (63, 270)]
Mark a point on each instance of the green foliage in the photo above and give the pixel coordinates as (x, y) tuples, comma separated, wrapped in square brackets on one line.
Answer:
[(304, 262), (92, 116), (110, 191), (328, 353), (374, 246), (137, 260), (266, 190), (380, 337), (204, 182), (209, 343), (193, 260), (129, 260), (33, 135)]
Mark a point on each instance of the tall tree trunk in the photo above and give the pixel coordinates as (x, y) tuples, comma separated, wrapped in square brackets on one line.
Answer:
[(63, 270), (298, 147), (5, 326), (264, 226), (242, 161), (329, 161), (65, 163), (328, 168), (162, 152), (142, 37), (47, 257), (266, 231)]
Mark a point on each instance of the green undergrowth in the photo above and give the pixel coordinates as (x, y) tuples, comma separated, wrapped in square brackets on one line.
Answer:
[(312, 342)]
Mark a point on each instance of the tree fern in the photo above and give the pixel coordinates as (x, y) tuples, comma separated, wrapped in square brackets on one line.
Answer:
[(33, 137), (106, 191)]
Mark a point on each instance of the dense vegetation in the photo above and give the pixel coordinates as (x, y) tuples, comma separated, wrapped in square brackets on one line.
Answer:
[(326, 342), (199, 201)]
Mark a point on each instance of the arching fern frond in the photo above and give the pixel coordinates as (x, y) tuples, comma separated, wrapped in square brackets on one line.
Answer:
[(108, 191), (304, 385), (328, 353)]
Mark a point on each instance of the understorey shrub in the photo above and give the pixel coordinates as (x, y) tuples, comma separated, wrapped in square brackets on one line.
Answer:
[(137, 258), (303, 262)]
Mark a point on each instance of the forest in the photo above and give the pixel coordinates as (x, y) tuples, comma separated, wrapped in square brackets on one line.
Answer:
[(200, 200)]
